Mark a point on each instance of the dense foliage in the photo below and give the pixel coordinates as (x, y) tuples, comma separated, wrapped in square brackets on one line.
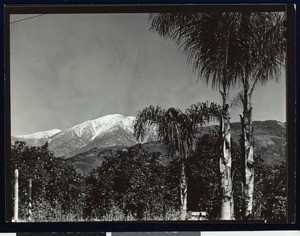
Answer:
[(270, 195), (132, 181), (156, 186), (56, 186), (204, 178), (135, 184)]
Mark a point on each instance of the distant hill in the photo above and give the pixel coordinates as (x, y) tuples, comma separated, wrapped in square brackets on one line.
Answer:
[(106, 131), (87, 144), (269, 136), (36, 139)]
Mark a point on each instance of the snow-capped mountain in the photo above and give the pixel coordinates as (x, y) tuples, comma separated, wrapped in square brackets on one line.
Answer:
[(37, 138), (110, 130), (106, 131), (40, 134)]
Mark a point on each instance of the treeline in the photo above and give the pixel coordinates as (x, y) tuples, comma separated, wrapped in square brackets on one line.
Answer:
[(135, 184)]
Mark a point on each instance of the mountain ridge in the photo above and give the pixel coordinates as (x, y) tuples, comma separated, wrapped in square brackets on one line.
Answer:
[(40, 134), (117, 130), (109, 130), (269, 138)]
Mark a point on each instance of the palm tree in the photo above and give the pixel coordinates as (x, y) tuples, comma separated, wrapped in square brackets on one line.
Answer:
[(208, 41), (177, 131), (226, 48), (261, 45)]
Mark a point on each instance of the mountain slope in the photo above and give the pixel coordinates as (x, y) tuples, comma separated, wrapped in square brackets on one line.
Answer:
[(269, 139), (106, 131), (91, 137), (269, 143), (110, 130), (37, 138)]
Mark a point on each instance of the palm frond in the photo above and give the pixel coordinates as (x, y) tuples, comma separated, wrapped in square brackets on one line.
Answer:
[(204, 39), (152, 115), (223, 47), (200, 113), (175, 128)]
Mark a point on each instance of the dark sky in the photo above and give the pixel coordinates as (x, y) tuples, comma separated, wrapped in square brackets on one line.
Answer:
[(69, 68)]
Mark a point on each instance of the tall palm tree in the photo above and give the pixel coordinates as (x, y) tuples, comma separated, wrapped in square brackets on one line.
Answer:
[(261, 46), (177, 131), (226, 48), (208, 41)]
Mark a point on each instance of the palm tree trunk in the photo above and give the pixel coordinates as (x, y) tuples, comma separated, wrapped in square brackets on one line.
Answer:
[(227, 204), (183, 193), (247, 131)]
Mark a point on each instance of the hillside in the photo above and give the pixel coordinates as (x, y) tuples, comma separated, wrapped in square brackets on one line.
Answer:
[(86, 145), (106, 131), (269, 138), (269, 143)]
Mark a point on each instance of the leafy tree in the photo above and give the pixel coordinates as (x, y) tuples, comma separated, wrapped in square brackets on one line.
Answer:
[(270, 197), (204, 181), (55, 183), (132, 181), (177, 130)]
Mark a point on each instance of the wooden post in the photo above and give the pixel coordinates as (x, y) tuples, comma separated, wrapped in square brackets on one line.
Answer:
[(29, 199), (16, 196)]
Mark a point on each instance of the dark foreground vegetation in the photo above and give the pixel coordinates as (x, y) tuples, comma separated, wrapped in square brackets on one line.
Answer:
[(135, 184)]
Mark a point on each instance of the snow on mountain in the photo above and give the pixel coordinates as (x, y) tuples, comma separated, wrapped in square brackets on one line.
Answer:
[(40, 134), (104, 124), (117, 130), (37, 138), (110, 130), (106, 131)]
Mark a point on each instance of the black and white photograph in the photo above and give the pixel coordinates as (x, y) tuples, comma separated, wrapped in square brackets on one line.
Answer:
[(148, 116)]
